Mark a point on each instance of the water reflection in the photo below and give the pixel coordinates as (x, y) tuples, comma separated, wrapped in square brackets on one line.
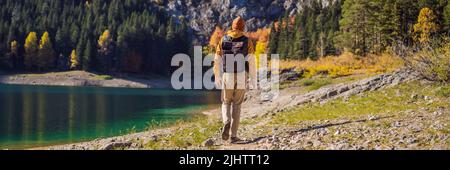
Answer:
[(34, 116)]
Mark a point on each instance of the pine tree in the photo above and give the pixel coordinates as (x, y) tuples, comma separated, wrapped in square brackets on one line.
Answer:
[(447, 17), (62, 41), (87, 56), (46, 57), (383, 25), (74, 31), (282, 41), (273, 39), (31, 50), (14, 53), (353, 35), (170, 36), (298, 37), (79, 51), (304, 36), (311, 33)]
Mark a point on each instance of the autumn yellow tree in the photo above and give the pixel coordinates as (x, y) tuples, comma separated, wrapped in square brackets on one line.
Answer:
[(105, 43), (46, 55), (105, 39), (260, 48), (74, 62), (31, 50), (425, 26)]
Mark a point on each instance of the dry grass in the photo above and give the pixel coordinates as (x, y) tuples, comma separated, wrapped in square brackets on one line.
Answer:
[(344, 65), (431, 60)]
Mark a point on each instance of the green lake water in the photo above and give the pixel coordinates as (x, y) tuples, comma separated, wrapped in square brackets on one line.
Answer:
[(34, 116)]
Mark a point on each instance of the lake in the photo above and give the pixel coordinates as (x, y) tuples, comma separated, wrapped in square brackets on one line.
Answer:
[(34, 116)]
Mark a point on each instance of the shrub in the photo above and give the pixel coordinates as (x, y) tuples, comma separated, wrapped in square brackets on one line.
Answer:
[(344, 65), (430, 60)]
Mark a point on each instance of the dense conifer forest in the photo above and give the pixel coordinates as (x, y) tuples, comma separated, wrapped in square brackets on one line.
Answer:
[(93, 35), (358, 26)]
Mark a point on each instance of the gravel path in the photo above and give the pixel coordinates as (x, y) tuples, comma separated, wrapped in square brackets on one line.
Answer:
[(407, 130)]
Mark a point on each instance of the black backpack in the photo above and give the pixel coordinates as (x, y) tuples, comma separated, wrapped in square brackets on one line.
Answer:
[(234, 46)]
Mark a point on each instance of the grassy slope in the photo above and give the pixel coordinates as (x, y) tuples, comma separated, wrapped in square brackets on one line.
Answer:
[(409, 96), (390, 102)]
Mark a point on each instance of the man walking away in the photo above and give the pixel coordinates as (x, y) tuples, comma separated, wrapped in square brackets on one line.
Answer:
[(232, 76)]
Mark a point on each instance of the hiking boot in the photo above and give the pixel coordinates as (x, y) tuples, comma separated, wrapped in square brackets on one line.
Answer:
[(235, 140), (226, 131)]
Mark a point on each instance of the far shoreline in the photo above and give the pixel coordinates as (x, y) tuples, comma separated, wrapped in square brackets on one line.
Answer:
[(83, 79)]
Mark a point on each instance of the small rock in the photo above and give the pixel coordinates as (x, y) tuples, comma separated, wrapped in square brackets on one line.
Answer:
[(378, 147), (412, 140), (371, 118), (437, 113), (316, 143), (396, 124), (154, 138), (337, 132), (208, 143), (114, 145), (366, 144), (136, 145)]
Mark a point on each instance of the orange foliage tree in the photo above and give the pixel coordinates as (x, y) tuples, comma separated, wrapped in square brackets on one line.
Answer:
[(215, 38)]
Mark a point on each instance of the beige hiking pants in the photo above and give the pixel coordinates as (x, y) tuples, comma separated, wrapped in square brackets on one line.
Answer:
[(233, 93)]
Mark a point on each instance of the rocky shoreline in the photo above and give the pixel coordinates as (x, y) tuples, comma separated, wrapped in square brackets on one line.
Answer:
[(402, 130), (83, 79)]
